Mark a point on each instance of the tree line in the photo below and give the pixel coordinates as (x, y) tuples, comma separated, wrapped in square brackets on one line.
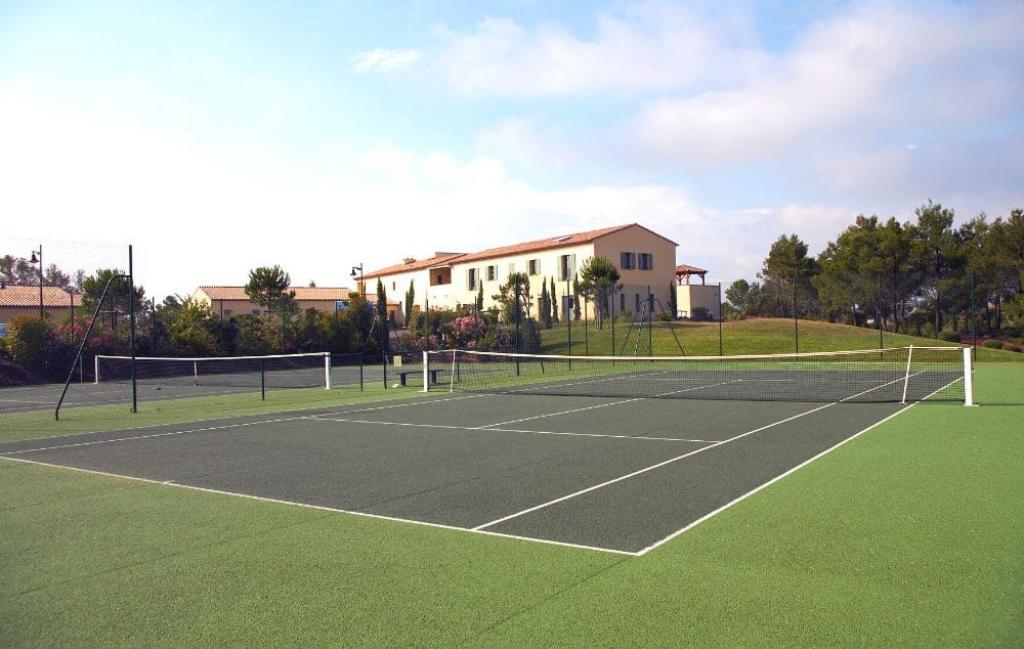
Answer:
[(922, 276)]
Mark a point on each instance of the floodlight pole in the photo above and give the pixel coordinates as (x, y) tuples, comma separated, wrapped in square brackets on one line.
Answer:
[(131, 321)]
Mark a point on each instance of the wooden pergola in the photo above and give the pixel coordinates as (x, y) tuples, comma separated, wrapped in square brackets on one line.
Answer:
[(685, 271)]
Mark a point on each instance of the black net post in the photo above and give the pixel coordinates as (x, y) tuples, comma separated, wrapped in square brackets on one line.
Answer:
[(131, 324), (263, 380), (878, 315), (361, 357)]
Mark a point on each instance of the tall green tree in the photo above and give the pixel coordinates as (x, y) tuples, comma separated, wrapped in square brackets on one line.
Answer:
[(937, 254), (554, 302), (599, 279), (410, 297), (576, 296), (506, 297), (786, 276), (480, 297), (545, 306), (268, 287), (117, 300)]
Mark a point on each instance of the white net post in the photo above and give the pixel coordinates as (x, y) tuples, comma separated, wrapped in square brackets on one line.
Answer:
[(968, 377), (906, 378), (426, 372), (327, 370), (96, 369)]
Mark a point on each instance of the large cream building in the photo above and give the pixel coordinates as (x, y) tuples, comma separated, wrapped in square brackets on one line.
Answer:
[(645, 260), (227, 301)]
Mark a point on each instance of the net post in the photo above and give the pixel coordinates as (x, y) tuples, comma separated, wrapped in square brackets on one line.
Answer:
[(195, 371), (361, 359), (451, 384), (96, 369), (426, 371), (968, 377), (906, 377), (131, 323), (263, 380), (327, 370)]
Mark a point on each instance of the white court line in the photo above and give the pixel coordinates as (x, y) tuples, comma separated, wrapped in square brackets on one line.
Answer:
[(605, 405), (675, 459), (278, 501), (486, 429), (753, 491), (421, 401), (164, 434)]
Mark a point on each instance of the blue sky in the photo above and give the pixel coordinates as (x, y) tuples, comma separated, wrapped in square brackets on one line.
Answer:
[(218, 137)]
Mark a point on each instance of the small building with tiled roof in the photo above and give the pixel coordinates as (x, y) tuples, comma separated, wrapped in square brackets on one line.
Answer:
[(24, 300), (685, 271), (227, 301), (645, 260)]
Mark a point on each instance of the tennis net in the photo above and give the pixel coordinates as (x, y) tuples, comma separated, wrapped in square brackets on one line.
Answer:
[(885, 375), (255, 372)]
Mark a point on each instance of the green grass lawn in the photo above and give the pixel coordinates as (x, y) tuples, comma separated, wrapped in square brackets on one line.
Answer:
[(911, 535), (751, 336)]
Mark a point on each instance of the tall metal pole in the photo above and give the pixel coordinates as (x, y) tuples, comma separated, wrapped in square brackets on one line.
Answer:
[(650, 321), (720, 350), (40, 280), (878, 315), (568, 316), (796, 319), (516, 289), (974, 320), (611, 314), (131, 333), (586, 329)]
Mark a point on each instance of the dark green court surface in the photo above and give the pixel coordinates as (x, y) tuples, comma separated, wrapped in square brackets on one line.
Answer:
[(619, 475)]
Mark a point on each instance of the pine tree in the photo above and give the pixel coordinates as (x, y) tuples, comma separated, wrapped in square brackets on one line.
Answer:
[(545, 305), (575, 297), (554, 302)]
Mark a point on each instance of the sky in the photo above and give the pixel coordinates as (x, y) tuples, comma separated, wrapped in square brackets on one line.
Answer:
[(216, 137)]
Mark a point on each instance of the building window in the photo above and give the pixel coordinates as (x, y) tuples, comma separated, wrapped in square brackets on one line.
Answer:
[(471, 279), (393, 286), (566, 267), (627, 260), (646, 261), (534, 266), (622, 302), (636, 302), (492, 273)]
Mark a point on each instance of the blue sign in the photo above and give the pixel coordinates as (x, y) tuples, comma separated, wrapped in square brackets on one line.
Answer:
[(3, 329), (340, 305)]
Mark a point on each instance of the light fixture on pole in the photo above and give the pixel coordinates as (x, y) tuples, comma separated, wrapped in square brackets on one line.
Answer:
[(39, 260)]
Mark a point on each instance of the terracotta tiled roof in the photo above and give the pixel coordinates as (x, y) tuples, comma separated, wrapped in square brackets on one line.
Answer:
[(443, 259), (563, 241), (684, 269), (439, 259), (306, 293), (53, 296)]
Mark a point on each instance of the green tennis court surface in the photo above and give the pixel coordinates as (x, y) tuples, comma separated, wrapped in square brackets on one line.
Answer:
[(922, 510)]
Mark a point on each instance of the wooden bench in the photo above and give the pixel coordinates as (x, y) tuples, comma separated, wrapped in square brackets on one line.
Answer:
[(404, 373)]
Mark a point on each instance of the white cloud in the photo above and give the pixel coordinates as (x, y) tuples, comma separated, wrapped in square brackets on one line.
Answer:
[(385, 60), (643, 48), (875, 70)]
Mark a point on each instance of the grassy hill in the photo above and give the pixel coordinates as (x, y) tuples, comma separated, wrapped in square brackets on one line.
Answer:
[(751, 336)]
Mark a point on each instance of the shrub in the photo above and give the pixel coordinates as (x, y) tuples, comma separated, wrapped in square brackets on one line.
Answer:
[(949, 336), (992, 344), (1010, 347), (665, 316), (27, 340), (701, 314)]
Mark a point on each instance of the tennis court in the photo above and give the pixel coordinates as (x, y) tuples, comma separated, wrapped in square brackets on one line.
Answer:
[(604, 472)]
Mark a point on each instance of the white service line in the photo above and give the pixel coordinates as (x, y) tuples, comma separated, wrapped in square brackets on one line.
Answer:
[(503, 430), (278, 501), (753, 491), (605, 405), (674, 459)]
